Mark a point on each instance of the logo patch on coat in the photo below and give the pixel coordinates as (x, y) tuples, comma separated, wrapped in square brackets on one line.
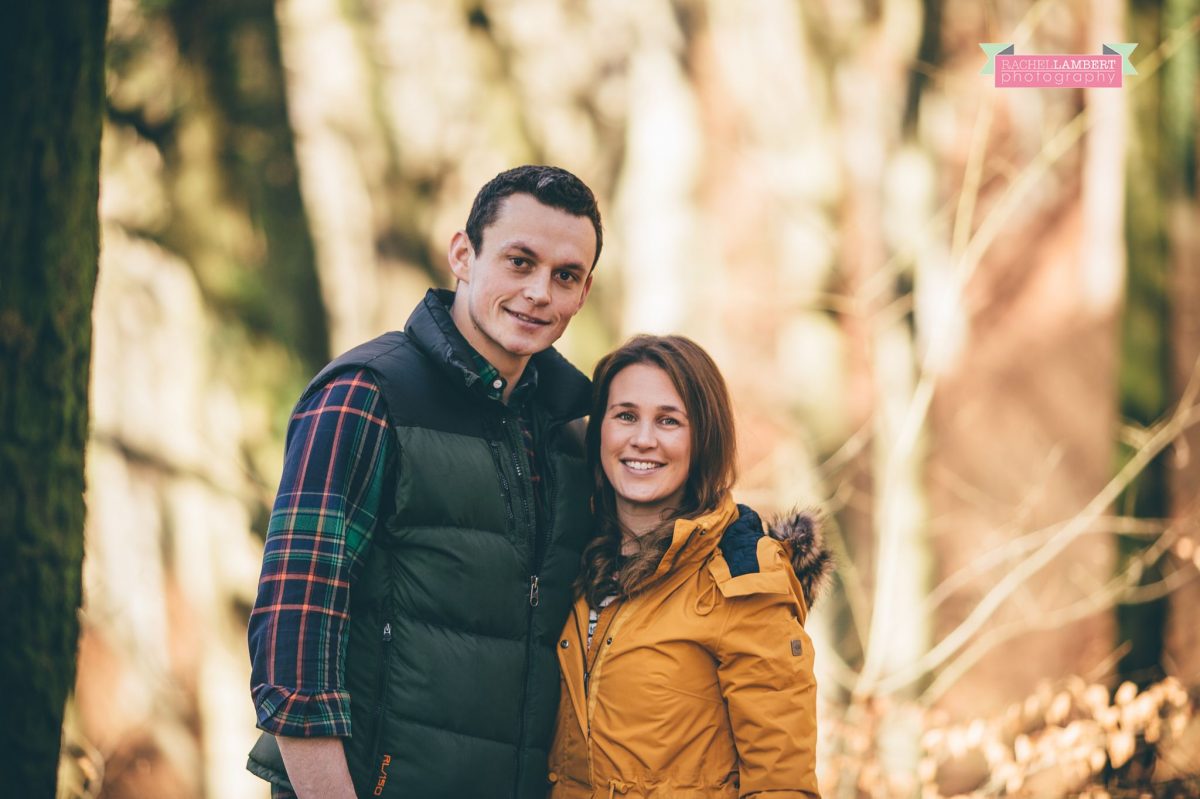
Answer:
[(797, 648)]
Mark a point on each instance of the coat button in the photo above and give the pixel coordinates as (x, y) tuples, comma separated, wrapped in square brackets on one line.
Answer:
[(609, 641), (564, 643), (552, 777)]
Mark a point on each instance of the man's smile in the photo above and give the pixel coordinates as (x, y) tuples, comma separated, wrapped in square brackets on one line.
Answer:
[(529, 320)]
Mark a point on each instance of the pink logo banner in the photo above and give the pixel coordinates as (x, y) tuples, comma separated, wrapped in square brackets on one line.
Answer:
[(1058, 71)]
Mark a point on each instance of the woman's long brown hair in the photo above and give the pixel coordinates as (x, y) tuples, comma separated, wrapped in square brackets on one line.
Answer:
[(711, 472)]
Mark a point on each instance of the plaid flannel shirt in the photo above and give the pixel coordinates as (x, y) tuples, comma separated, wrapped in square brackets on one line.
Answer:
[(335, 464)]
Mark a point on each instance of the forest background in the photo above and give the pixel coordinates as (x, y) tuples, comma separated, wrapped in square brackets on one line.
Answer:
[(962, 321)]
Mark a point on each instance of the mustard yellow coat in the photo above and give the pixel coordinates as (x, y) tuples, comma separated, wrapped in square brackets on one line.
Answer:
[(700, 685)]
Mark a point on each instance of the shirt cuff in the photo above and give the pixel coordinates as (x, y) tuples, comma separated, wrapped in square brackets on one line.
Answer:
[(298, 714)]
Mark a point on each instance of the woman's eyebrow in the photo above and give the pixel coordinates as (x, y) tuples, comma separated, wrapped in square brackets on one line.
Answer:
[(635, 405)]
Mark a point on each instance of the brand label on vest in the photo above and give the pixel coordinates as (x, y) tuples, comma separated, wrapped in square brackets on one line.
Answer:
[(382, 781), (797, 648)]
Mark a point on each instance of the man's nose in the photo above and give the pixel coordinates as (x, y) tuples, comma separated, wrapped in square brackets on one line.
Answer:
[(537, 287)]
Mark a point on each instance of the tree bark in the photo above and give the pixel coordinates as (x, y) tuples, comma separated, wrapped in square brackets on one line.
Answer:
[(52, 93)]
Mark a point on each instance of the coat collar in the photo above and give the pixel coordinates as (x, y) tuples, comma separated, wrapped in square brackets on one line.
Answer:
[(694, 539), (561, 388)]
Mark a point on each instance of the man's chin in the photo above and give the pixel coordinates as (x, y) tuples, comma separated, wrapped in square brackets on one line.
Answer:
[(524, 346)]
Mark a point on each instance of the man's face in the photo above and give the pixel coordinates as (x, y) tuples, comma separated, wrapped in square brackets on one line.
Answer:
[(531, 275)]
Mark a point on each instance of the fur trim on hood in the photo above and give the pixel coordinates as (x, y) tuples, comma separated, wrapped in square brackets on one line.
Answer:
[(811, 558)]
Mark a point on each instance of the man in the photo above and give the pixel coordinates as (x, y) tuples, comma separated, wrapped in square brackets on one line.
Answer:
[(428, 526)]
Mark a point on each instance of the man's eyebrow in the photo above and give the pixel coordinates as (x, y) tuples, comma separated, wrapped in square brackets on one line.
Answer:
[(524, 248), (521, 247)]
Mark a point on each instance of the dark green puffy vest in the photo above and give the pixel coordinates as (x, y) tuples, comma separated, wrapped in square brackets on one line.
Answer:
[(451, 667)]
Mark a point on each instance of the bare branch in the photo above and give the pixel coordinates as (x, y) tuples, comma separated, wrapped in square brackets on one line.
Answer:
[(1164, 434), (1122, 589), (1019, 547)]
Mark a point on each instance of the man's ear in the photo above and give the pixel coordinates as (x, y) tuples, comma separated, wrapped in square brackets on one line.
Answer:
[(461, 256)]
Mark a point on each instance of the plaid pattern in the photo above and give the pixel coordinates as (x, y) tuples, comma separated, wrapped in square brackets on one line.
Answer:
[(335, 469)]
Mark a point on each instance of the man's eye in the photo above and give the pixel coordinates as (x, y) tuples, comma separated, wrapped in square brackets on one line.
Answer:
[(566, 276), (518, 261)]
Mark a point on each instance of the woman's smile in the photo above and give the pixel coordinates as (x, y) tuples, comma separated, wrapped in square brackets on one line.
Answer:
[(642, 466)]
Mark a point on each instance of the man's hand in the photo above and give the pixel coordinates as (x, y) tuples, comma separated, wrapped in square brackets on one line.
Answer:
[(317, 767)]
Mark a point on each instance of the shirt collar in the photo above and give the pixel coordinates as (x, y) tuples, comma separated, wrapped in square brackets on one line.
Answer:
[(495, 384)]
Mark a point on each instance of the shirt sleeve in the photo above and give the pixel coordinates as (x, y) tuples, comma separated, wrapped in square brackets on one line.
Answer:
[(765, 668), (335, 460)]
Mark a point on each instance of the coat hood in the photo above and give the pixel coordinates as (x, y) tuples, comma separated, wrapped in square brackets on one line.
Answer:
[(812, 560), (799, 532)]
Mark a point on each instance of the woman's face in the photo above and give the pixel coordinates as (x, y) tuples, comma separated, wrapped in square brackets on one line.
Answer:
[(645, 440)]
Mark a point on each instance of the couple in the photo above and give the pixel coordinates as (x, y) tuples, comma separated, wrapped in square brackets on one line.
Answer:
[(464, 594)]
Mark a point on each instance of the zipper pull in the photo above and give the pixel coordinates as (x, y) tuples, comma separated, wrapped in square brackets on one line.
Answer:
[(533, 591), (387, 631)]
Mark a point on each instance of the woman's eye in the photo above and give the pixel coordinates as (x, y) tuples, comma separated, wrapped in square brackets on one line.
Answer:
[(670, 421), (625, 416)]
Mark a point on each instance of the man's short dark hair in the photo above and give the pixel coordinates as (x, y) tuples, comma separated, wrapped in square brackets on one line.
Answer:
[(549, 185)]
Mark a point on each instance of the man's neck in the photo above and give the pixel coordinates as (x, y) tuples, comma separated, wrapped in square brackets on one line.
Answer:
[(510, 366)]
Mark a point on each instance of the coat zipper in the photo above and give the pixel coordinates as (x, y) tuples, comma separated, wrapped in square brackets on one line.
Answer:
[(590, 661), (590, 664)]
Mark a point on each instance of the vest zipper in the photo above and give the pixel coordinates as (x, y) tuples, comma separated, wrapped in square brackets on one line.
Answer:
[(517, 439), (552, 490), (508, 509), (380, 701)]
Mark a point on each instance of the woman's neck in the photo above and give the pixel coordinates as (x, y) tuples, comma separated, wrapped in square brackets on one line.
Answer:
[(636, 522)]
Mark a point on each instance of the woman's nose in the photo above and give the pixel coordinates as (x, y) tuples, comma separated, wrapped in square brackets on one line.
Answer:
[(643, 436)]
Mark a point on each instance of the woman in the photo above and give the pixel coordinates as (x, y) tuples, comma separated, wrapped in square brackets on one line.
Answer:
[(686, 668)]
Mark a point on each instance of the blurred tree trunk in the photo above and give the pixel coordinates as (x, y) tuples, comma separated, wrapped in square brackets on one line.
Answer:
[(1182, 656), (232, 47), (209, 320), (1159, 178), (52, 92)]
